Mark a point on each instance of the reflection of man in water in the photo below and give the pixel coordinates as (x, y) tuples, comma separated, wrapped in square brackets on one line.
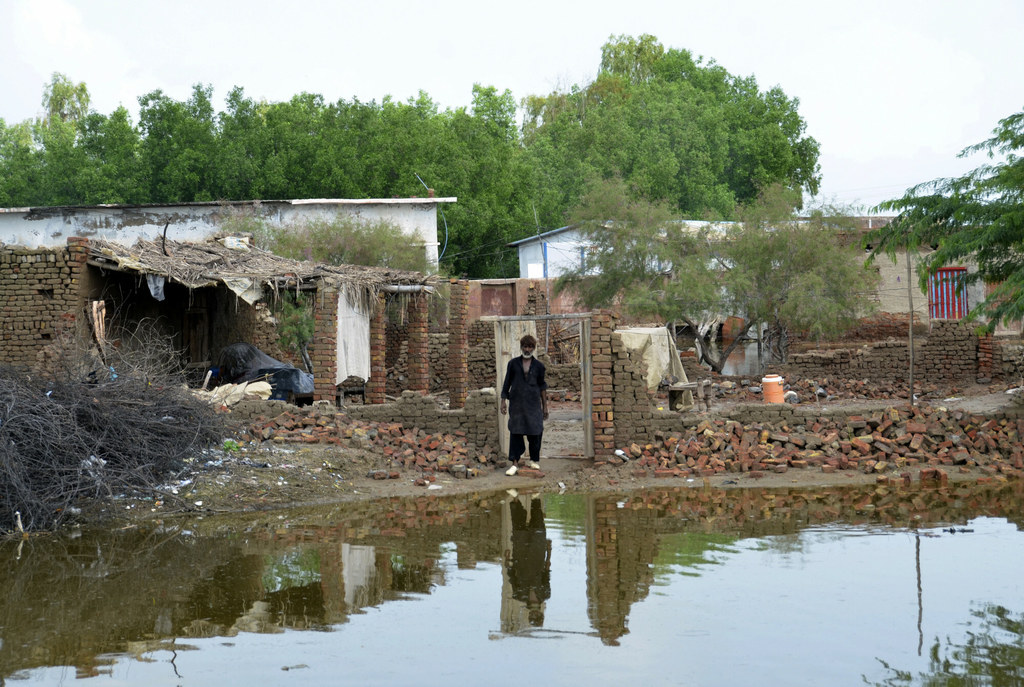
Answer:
[(529, 562)]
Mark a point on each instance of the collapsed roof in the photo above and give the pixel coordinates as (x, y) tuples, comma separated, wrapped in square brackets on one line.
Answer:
[(243, 268)]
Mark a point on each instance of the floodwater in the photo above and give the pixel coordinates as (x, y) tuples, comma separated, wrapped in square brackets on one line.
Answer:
[(662, 587)]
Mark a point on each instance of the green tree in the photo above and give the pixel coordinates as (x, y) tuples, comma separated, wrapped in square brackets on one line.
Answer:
[(642, 260), (113, 171), (792, 274), (179, 146), (795, 274), (482, 163), (19, 166), (64, 100), (57, 136), (339, 241), (977, 218), (674, 127), (632, 58)]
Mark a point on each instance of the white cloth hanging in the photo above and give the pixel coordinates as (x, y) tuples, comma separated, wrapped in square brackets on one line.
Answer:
[(353, 334)]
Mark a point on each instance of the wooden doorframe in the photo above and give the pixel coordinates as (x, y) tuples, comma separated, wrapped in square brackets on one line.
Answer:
[(505, 341)]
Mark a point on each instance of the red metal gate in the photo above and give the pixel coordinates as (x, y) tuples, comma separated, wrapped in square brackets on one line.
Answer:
[(947, 294)]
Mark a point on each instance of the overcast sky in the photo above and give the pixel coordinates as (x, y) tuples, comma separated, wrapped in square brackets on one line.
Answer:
[(891, 89)]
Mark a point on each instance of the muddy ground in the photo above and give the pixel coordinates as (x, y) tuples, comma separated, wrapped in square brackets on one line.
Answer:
[(257, 477)]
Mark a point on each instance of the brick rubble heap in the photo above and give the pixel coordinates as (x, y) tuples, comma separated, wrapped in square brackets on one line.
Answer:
[(884, 442)]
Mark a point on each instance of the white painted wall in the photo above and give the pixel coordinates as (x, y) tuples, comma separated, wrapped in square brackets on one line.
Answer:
[(51, 227), (563, 254)]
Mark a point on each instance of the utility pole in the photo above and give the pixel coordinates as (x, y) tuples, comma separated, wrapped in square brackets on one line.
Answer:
[(910, 328)]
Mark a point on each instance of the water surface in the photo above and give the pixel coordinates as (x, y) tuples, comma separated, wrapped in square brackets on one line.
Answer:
[(661, 587)]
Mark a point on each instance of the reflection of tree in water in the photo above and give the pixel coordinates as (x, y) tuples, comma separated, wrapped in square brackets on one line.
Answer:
[(991, 655), (410, 576), (74, 600)]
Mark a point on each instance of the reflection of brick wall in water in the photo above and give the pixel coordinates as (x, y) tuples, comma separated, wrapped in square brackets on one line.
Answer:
[(621, 552)]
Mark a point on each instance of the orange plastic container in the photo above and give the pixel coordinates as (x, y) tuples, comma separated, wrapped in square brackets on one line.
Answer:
[(771, 387)]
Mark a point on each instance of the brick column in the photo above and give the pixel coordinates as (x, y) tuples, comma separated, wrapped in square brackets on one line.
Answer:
[(78, 255), (602, 401), (323, 349), (375, 385), (458, 343), (985, 357), (419, 344)]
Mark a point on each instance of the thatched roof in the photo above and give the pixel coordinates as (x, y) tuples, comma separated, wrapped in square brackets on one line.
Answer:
[(232, 261)]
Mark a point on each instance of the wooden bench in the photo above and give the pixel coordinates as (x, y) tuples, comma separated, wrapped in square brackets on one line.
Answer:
[(703, 394)]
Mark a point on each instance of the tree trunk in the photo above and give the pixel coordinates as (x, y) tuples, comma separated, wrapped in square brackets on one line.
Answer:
[(777, 341), (304, 352), (716, 363)]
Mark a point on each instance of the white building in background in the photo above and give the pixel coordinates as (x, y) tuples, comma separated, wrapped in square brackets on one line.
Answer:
[(553, 253), (50, 227)]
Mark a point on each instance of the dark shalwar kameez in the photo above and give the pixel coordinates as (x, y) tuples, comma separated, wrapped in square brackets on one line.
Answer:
[(523, 391)]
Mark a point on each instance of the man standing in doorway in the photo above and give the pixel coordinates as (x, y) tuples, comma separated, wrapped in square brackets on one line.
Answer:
[(524, 398)]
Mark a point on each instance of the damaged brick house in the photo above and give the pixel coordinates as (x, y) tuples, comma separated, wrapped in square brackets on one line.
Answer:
[(61, 266)]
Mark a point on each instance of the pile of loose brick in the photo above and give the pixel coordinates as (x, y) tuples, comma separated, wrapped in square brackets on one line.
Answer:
[(886, 443), (401, 447)]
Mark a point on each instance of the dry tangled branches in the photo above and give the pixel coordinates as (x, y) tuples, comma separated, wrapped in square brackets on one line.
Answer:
[(94, 429)]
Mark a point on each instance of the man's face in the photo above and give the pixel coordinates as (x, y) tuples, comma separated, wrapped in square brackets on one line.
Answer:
[(527, 350)]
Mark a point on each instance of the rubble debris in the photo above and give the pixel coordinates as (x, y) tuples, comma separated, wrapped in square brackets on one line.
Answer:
[(884, 442), (403, 447)]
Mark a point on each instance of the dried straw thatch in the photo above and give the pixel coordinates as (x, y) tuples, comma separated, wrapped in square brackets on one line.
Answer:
[(229, 260)]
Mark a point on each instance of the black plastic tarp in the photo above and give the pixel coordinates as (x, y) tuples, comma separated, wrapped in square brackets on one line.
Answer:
[(243, 362)]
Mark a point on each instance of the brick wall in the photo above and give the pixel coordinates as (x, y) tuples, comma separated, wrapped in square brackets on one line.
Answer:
[(479, 332), (456, 368), (602, 410), (375, 385), (1008, 361), (949, 352), (323, 350), (39, 294), (878, 327), (477, 418), (633, 409), (396, 347), (419, 345), (480, 359), (256, 324)]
